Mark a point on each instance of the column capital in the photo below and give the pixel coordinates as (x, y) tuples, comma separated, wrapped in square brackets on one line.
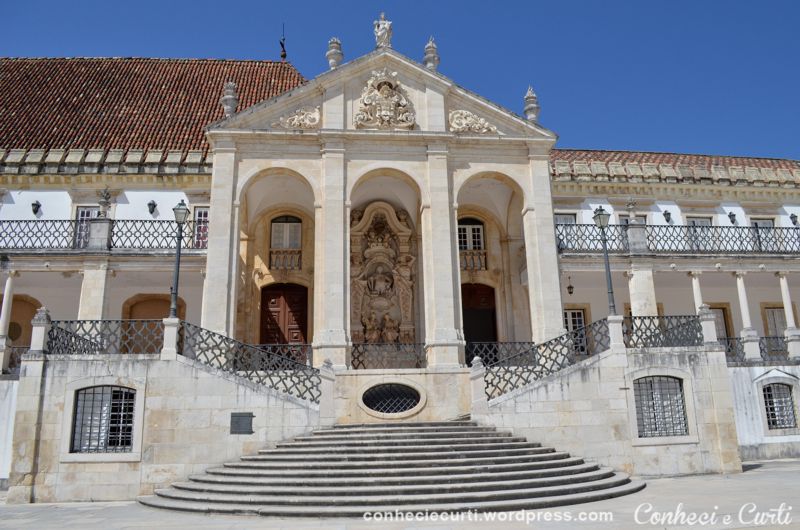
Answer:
[(781, 274), (694, 274), (739, 274)]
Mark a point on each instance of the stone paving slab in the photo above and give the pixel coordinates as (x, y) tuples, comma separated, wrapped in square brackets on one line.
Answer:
[(765, 484)]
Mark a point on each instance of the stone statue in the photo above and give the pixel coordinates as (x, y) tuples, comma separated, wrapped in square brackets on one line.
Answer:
[(380, 283), (383, 32), (371, 331), (391, 329)]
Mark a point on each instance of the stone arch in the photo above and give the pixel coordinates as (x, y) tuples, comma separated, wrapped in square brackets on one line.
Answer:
[(271, 188), (150, 306), (255, 174), (23, 308), (382, 175), (461, 179)]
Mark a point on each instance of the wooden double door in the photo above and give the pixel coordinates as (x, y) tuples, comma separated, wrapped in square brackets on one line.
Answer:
[(478, 312), (284, 314)]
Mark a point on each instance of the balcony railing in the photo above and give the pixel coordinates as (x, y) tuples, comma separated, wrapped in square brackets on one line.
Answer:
[(473, 260), (285, 259), (662, 331), (46, 234), (770, 349), (680, 239), (366, 356), (149, 234)]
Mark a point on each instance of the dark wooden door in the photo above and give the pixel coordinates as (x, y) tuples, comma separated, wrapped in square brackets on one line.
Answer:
[(284, 314), (478, 311)]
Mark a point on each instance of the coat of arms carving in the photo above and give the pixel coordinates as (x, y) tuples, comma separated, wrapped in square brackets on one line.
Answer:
[(383, 104)]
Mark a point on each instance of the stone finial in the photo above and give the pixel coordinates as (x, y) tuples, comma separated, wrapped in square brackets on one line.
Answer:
[(229, 99), (334, 53), (42, 317), (431, 59), (104, 201), (531, 105), (383, 32)]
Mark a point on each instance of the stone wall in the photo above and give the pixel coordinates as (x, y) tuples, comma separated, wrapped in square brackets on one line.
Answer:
[(756, 440), (8, 404), (588, 410), (181, 425)]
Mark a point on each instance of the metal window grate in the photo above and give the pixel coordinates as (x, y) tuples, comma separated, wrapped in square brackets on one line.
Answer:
[(391, 398), (660, 407), (779, 406), (103, 420)]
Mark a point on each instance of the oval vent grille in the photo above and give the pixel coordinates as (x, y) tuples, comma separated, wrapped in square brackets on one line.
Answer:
[(391, 398)]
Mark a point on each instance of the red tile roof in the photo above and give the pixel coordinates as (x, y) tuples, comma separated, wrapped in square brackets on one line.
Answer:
[(125, 103), (672, 159)]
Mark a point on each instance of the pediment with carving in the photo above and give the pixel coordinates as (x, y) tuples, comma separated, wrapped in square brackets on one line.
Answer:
[(384, 103)]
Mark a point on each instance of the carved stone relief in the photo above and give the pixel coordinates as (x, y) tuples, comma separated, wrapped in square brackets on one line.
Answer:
[(303, 118), (382, 278), (383, 104), (466, 121)]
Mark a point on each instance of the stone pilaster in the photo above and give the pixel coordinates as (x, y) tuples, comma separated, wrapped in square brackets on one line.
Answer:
[(444, 340), (697, 293), (5, 319), (92, 304), (332, 267), (217, 312)]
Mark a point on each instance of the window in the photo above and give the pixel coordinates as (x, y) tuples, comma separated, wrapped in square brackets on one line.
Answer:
[(775, 321), (721, 321), (470, 234), (699, 233), (82, 216), (565, 219), (575, 319), (201, 216), (779, 405), (764, 237), (660, 407), (103, 420), (286, 233)]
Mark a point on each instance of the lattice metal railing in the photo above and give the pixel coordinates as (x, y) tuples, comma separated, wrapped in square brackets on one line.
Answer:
[(587, 238), (366, 356), (773, 348), (472, 260), (150, 234), (114, 337), (734, 349), (722, 239), (546, 358), (493, 352), (258, 365), (299, 353), (285, 259), (44, 234), (662, 331)]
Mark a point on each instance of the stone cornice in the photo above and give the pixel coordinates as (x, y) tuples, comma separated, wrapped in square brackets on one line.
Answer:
[(714, 192), (187, 181)]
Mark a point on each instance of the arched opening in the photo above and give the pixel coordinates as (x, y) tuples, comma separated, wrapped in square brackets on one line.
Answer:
[(23, 309), (150, 306), (284, 314)]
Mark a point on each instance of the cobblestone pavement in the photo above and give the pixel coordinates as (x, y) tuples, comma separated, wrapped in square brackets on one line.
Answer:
[(764, 486)]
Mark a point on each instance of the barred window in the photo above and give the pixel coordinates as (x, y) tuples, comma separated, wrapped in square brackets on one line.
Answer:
[(103, 420), (660, 407), (779, 405)]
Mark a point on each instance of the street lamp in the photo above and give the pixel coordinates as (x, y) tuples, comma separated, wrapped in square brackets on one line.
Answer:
[(601, 218), (181, 212)]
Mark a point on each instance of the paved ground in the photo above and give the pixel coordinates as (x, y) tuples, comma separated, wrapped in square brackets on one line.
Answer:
[(757, 493)]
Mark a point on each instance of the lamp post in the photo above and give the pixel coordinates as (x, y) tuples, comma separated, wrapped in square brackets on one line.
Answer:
[(181, 212), (601, 218)]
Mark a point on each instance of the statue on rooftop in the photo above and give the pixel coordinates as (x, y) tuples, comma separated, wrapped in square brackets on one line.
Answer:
[(383, 32)]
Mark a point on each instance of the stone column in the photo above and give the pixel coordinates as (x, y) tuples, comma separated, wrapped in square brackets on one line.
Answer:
[(218, 289), (544, 292), (332, 264), (696, 292), (92, 303), (791, 333), (642, 289), (5, 320), (748, 334), (444, 342)]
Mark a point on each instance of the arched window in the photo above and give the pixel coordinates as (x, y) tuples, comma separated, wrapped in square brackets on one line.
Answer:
[(779, 405), (103, 420), (470, 234), (660, 407), (286, 233)]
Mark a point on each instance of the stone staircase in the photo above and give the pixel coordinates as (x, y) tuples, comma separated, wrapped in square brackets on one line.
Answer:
[(437, 466)]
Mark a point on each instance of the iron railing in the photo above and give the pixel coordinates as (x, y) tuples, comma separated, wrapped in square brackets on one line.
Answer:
[(258, 365), (734, 349), (662, 331), (546, 358), (285, 259), (151, 234), (299, 353), (493, 352), (366, 356), (472, 260), (773, 348), (44, 234), (587, 238), (114, 337)]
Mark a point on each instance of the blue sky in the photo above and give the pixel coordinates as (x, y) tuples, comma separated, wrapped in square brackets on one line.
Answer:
[(702, 76)]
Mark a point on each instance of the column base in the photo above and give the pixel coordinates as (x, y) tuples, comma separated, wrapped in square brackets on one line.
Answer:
[(5, 354), (338, 354), (752, 351), (19, 495), (793, 342), (445, 354)]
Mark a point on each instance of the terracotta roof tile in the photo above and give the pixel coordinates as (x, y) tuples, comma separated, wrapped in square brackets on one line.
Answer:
[(125, 103), (673, 159)]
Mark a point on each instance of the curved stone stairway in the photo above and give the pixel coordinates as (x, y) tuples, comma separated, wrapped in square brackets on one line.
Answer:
[(437, 466)]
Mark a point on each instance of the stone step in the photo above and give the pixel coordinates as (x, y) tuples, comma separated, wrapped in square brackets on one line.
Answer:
[(213, 476), (617, 479), (357, 511), (408, 446), (370, 470), (455, 459), (345, 488), (399, 455), (405, 425), (315, 437), (397, 430)]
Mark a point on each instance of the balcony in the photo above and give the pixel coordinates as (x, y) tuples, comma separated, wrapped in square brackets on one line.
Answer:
[(679, 239), (125, 234), (473, 260), (289, 259)]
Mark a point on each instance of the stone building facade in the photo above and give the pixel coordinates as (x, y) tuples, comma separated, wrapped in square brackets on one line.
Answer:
[(378, 224)]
